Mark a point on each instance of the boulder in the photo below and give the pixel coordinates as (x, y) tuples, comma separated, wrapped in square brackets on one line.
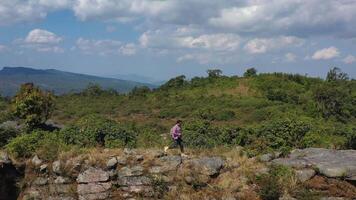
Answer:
[(328, 162), (62, 180), (121, 160), (207, 165), (268, 157), (4, 158), (43, 168), (112, 163), (134, 181), (36, 161), (92, 188), (93, 175), (133, 171), (56, 167), (170, 163), (304, 174), (40, 181)]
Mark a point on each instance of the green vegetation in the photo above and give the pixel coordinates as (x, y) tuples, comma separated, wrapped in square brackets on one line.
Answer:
[(262, 112), (33, 105)]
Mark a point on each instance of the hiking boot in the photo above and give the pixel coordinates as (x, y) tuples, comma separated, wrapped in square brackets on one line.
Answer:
[(166, 149)]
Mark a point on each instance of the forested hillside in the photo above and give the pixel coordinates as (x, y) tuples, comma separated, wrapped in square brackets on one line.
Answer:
[(263, 112)]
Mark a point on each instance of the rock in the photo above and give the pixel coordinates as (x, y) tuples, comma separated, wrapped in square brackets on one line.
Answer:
[(32, 195), (112, 163), (56, 167), (207, 165), (155, 170), (92, 188), (170, 163), (121, 160), (328, 162), (4, 158), (268, 157), (62, 180), (61, 189), (304, 174), (297, 164), (134, 171), (158, 154), (11, 125), (129, 151), (93, 175), (146, 191), (139, 158), (96, 196), (36, 161), (43, 168), (40, 181), (332, 198), (134, 181)]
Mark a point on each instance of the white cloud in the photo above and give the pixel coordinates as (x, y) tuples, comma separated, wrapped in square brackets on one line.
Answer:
[(263, 45), (105, 47), (39, 36), (326, 54), (3, 48), (290, 57), (128, 49), (349, 59), (213, 42), (17, 11), (41, 40)]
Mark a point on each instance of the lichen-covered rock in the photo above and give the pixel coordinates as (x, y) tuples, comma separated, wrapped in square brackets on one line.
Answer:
[(36, 161), (43, 168), (4, 158), (92, 175), (207, 165), (133, 171), (112, 163), (169, 163), (62, 180), (304, 174), (40, 181), (92, 188), (135, 180), (56, 167), (328, 162)]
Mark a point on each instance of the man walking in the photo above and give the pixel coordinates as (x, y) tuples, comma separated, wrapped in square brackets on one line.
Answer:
[(176, 133)]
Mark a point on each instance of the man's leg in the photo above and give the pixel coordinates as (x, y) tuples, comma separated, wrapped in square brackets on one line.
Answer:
[(180, 143), (172, 146)]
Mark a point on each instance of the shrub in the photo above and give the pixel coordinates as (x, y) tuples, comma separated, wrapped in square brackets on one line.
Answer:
[(25, 145), (33, 105), (273, 184), (148, 139), (93, 130), (6, 134), (283, 134)]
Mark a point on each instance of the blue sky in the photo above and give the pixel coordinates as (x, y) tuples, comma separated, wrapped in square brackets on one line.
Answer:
[(165, 38)]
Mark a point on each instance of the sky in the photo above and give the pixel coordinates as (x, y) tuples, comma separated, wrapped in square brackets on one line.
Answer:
[(161, 39)]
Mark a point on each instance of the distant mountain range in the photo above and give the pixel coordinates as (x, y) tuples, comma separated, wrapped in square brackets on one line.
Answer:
[(59, 82)]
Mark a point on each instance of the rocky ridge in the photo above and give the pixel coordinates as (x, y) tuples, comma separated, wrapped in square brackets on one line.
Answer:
[(152, 174)]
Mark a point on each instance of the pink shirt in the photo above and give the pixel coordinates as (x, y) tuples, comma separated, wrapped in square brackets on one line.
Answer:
[(176, 132)]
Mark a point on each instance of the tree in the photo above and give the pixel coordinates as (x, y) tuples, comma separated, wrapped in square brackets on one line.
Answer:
[(33, 105), (333, 100), (250, 72), (335, 74), (93, 89), (214, 73), (176, 82)]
